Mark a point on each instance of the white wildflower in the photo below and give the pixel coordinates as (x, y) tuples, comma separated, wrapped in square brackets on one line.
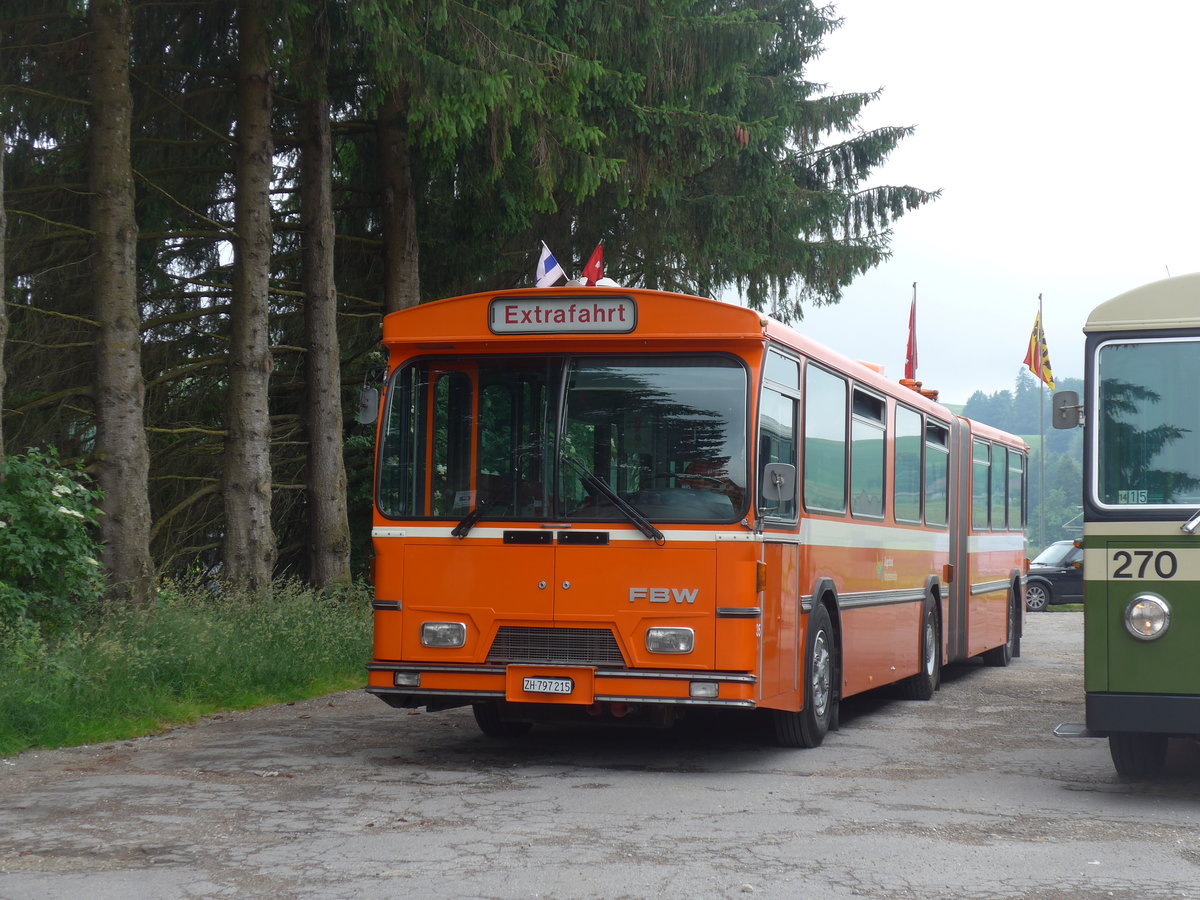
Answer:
[(60, 490), (90, 561), (71, 512), (3, 524)]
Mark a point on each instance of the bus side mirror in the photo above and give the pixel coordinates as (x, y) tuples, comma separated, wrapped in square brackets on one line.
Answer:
[(779, 483), (368, 406), (1066, 409)]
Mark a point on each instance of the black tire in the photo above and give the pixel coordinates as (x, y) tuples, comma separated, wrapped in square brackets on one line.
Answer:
[(493, 724), (1137, 756), (808, 727), (1001, 656), (925, 683), (1037, 596)]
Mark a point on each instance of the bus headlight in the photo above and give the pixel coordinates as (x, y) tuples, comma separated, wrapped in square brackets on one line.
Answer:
[(1147, 617), (670, 640), (443, 634)]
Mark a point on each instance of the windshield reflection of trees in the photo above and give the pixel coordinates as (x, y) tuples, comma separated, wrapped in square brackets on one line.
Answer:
[(1128, 451), (633, 430)]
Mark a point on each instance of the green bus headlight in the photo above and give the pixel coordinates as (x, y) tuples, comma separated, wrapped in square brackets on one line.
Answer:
[(1147, 617)]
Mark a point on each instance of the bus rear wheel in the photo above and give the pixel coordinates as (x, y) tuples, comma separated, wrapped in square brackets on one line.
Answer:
[(1137, 756), (808, 727), (1001, 656)]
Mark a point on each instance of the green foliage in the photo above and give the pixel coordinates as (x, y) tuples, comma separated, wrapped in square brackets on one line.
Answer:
[(49, 567), (139, 670), (686, 136)]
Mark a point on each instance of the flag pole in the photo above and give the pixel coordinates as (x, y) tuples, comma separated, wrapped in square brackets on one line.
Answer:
[(1042, 427)]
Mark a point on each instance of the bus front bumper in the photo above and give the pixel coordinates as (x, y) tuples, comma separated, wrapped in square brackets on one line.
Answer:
[(1174, 714), (443, 687)]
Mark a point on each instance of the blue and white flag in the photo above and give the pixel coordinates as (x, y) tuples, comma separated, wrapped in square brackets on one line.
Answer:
[(548, 270)]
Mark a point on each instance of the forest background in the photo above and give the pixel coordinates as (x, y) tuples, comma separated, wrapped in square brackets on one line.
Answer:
[(209, 205)]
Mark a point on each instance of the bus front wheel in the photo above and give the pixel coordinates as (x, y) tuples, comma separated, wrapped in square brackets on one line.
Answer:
[(1137, 756), (493, 723), (808, 727)]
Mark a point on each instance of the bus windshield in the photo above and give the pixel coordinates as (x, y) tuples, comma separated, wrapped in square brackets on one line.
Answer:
[(490, 435), (1148, 423)]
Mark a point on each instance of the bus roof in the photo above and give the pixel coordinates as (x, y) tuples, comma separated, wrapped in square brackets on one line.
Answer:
[(654, 315), (1169, 303)]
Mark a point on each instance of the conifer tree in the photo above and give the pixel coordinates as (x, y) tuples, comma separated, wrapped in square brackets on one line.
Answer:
[(325, 473), (122, 457), (249, 539), (3, 302)]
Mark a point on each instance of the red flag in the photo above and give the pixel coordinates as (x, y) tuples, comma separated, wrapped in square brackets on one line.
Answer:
[(910, 357), (594, 270)]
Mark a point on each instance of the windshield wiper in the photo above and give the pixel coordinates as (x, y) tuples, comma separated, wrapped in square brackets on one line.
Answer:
[(463, 528), (631, 512), (1190, 526)]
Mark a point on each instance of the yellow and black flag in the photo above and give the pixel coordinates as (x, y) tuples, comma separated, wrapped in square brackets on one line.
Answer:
[(1038, 355)]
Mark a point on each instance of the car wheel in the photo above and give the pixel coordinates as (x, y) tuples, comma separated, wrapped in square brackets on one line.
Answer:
[(1037, 596)]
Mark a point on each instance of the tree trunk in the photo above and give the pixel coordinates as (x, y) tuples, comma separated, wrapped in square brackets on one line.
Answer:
[(3, 303), (122, 455), (398, 208), (249, 546), (328, 519)]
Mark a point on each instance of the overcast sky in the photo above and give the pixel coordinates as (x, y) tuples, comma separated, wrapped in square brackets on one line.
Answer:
[(1065, 137)]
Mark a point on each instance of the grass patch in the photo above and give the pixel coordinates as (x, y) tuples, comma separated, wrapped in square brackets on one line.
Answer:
[(134, 672)]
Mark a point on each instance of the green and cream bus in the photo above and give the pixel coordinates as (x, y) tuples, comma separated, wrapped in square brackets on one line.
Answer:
[(1141, 537)]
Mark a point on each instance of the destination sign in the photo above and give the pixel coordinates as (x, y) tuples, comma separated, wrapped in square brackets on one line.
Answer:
[(562, 315)]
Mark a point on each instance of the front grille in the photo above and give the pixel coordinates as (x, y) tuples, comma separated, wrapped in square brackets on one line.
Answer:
[(556, 646)]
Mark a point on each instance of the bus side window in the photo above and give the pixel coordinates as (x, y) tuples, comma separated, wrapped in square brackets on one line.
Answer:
[(868, 435), (981, 462), (907, 475), (776, 444), (824, 440), (937, 473), (999, 487), (1016, 479)]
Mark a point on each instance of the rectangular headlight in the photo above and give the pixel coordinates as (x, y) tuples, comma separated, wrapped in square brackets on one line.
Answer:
[(443, 634), (670, 640)]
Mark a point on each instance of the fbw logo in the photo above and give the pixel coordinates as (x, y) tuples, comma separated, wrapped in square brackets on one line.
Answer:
[(664, 595)]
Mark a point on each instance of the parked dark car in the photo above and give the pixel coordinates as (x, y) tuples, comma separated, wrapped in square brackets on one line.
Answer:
[(1055, 576)]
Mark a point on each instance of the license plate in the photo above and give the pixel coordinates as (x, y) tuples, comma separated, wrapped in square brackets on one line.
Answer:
[(548, 685)]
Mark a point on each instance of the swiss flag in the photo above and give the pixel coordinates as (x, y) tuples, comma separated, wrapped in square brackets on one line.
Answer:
[(594, 270)]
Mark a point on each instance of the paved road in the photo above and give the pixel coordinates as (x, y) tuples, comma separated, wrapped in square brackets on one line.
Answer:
[(968, 795)]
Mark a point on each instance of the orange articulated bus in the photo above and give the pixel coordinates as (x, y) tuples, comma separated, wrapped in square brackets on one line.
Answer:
[(615, 503)]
